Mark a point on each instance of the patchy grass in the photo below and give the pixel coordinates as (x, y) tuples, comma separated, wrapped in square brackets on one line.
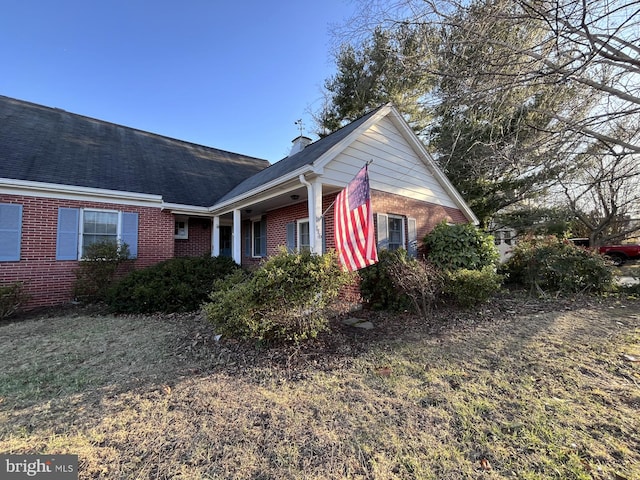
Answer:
[(552, 393)]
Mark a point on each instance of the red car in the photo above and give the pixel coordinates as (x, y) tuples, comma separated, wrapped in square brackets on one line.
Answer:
[(620, 253), (617, 253)]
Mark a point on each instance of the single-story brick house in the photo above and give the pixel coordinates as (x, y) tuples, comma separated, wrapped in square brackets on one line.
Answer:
[(67, 180)]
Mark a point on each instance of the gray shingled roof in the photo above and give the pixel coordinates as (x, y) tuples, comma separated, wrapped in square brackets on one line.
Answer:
[(290, 164), (43, 144)]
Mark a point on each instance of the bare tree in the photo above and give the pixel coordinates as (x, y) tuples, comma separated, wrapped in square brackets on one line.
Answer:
[(496, 128), (539, 90), (603, 191), (592, 45)]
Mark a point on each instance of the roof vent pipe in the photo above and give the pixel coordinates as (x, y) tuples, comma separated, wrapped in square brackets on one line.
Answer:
[(299, 144)]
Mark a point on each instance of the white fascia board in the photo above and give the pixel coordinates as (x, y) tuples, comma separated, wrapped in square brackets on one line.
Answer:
[(446, 184), (71, 192), (179, 209), (248, 198)]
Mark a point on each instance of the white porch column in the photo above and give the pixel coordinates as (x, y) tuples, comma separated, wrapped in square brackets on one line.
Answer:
[(237, 238), (315, 217), (215, 237), (314, 206)]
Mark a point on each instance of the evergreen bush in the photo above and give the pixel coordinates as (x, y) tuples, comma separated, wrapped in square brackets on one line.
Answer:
[(468, 288), (551, 264), (286, 299), (175, 285), (452, 247)]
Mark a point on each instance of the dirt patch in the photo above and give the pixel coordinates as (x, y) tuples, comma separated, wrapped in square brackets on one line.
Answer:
[(334, 348)]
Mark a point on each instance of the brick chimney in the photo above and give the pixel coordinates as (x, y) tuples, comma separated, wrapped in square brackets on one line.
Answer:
[(299, 144)]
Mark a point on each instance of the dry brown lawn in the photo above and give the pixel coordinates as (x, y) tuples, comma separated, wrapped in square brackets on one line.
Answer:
[(521, 388)]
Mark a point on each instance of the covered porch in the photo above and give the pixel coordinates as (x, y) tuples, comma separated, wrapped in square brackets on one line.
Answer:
[(289, 215)]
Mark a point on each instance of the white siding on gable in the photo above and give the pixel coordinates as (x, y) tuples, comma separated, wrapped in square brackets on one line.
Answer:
[(396, 167)]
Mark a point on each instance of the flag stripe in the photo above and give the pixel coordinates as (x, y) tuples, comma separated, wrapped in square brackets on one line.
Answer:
[(355, 238)]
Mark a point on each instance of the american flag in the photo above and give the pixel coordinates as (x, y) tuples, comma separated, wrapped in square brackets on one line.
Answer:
[(355, 238)]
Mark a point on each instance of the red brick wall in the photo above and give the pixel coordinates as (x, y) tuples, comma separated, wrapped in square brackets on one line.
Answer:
[(199, 241), (277, 221), (49, 281), (427, 215), (329, 223)]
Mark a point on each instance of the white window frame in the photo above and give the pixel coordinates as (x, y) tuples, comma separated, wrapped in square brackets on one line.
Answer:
[(299, 245), (183, 234), (403, 243), (81, 227)]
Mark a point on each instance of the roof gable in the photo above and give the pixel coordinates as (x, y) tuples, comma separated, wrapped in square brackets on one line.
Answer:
[(394, 165), (401, 163), (308, 156), (48, 145)]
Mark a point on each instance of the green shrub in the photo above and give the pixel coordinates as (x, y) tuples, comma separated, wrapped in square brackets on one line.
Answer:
[(286, 299), (175, 285), (452, 247), (12, 298), (420, 281), (377, 287), (97, 270), (468, 288), (549, 264)]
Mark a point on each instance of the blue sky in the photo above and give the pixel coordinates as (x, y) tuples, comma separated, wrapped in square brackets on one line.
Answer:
[(233, 75)]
